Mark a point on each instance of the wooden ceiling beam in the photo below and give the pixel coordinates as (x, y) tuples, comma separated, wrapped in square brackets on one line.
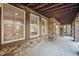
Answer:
[(58, 15), (63, 16), (39, 6), (64, 10), (65, 22), (55, 9), (46, 8), (30, 4)]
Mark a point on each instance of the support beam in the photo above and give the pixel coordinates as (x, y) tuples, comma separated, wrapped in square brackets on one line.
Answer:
[(62, 30), (74, 30), (66, 30), (71, 29), (52, 29)]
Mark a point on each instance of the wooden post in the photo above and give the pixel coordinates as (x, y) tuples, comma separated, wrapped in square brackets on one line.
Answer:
[(74, 30), (62, 30), (71, 30), (66, 29)]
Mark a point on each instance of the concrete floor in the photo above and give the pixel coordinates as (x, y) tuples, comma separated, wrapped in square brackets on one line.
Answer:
[(63, 46)]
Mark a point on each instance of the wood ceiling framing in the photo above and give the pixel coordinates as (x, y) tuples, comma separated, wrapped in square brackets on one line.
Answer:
[(64, 12)]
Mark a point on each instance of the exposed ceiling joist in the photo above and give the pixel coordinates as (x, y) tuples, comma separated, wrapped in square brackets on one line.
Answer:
[(30, 4), (39, 6), (52, 6), (64, 10), (55, 9)]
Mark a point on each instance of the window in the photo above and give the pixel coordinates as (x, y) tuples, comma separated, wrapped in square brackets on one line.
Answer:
[(34, 25), (13, 24), (43, 26)]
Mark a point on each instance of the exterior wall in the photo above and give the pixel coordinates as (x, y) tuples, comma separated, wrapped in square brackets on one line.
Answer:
[(23, 47), (75, 28), (26, 46)]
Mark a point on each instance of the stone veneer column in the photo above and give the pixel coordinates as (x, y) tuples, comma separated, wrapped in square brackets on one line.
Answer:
[(52, 29)]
